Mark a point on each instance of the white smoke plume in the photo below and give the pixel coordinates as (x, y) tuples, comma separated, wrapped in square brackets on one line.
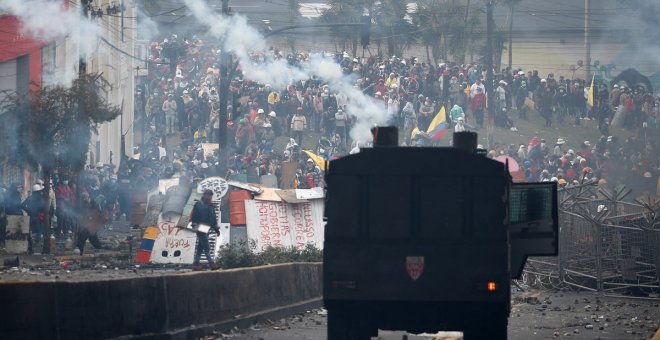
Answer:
[(148, 28), (51, 21), (641, 18), (241, 39)]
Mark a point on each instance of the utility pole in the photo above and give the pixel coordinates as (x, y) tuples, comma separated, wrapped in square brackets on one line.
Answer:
[(587, 41), (511, 38), (489, 72), (465, 28), (226, 71), (121, 10), (82, 55)]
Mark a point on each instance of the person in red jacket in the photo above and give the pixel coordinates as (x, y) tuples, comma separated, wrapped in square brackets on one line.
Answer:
[(477, 106), (65, 200)]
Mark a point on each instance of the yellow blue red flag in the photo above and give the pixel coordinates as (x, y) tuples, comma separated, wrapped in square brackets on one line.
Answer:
[(438, 127), (590, 100), (320, 161)]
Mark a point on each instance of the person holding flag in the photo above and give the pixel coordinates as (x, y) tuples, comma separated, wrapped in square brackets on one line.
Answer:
[(418, 138), (318, 160), (438, 126), (590, 97)]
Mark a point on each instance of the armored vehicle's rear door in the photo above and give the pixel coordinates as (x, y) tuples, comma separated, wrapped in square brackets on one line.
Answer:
[(534, 227)]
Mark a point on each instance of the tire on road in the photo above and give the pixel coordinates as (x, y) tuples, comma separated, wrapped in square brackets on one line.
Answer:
[(494, 328), (349, 325)]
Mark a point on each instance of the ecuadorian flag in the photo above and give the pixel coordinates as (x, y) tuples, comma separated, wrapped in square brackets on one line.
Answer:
[(590, 98), (317, 159), (438, 127)]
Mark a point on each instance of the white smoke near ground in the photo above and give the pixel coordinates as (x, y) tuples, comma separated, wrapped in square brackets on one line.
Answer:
[(64, 75), (238, 37), (367, 111)]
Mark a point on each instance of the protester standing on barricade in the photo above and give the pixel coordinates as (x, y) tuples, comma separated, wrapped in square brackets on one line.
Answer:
[(203, 212)]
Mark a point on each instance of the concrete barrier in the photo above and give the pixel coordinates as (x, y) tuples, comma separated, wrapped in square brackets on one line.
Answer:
[(166, 307)]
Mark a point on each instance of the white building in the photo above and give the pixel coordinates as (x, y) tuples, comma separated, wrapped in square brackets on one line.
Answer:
[(109, 55)]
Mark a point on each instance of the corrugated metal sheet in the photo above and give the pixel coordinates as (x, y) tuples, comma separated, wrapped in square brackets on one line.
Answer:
[(309, 194), (269, 194), (175, 200), (187, 209), (289, 196), (154, 206)]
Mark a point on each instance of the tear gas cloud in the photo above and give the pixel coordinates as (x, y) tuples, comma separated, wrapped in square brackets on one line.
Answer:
[(148, 28), (51, 21), (240, 38), (642, 48)]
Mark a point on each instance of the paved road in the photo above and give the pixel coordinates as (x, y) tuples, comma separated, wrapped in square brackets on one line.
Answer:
[(535, 315)]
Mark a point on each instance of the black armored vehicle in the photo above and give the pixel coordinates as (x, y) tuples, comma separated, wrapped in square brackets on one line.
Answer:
[(428, 239)]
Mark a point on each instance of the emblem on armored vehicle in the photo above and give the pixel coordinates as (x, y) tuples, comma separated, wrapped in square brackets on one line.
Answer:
[(415, 266)]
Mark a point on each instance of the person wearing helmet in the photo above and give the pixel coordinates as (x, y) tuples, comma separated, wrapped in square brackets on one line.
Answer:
[(275, 123), (460, 125), (501, 93), (34, 206), (545, 175), (312, 174), (561, 182), (203, 213)]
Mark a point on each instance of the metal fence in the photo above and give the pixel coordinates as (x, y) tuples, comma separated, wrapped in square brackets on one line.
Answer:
[(606, 244)]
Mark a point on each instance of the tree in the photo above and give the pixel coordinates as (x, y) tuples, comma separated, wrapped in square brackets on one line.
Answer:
[(345, 11), (452, 21), (51, 128), (392, 25)]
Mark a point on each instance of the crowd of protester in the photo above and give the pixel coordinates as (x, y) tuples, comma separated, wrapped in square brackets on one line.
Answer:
[(182, 94), (180, 99)]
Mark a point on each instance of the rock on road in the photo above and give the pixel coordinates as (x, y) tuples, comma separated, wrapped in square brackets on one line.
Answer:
[(534, 315)]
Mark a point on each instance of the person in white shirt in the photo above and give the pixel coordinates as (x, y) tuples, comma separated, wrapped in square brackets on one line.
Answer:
[(169, 107), (341, 122), (460, 125), (477, 85), (500, 95)]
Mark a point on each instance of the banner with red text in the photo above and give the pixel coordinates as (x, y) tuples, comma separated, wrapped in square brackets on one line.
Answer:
[(281, 224), (173, 244)]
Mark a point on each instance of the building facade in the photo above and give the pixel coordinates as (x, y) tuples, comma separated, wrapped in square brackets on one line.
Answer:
[(27, 61)]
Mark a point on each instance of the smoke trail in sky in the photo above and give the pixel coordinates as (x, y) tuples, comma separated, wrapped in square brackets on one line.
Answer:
[(240, 38)]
